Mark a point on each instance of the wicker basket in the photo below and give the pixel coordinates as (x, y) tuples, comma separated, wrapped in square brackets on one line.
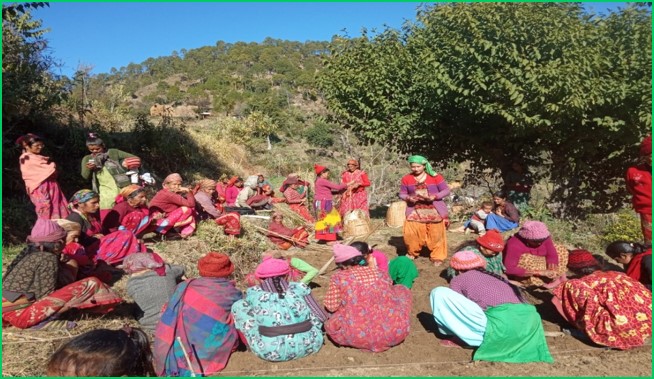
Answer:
[(396, 215), (356, 224)]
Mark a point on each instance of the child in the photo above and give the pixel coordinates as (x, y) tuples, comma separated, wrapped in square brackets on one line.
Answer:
[(636, 258), (489, 246), (104, 352), (375, 258), (477, 222)]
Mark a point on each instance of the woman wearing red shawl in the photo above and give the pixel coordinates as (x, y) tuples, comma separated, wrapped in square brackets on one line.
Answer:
[(40, 174), (296, 201), (176, 204), (221, 188), (130, 212), (636, 258), (206, 209), (285, 237), (639, 185), (36, 287), (199, 315), (609, 307), (356, 196), (234, 186)]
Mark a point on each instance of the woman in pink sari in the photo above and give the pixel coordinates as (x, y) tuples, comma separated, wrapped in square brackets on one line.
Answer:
[(177, 205), (356, 196), (40, 174)]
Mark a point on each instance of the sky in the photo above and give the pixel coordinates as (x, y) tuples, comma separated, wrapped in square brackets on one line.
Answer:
[(106, 35)]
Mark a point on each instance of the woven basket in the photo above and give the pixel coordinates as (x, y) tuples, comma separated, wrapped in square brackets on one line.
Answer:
[(395, 215), (356, 223)]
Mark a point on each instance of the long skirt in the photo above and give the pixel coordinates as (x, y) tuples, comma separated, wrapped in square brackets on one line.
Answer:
[(351, 201), (419, 234), (494, 221), (182, 218), (49, 201), (329, 221), (458, 316), (116, 246), (531, 262), (232, 223), (136, 222), (83, 294), (611, 308), (303, 211)]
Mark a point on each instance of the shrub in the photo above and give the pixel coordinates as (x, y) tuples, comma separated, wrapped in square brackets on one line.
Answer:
[(625, 226), (320, 134)]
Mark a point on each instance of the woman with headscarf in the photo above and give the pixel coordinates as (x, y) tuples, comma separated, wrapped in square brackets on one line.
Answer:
[(35, 291), (40, 175), (276, 317), (151, 283), (301, 271), (609, 307), (265, 199), (484, 310), (297, 201), (250, 188), (130, 212), (426, 213), (107, 168), (356, 196), (234, 186), (636, 259), (329, 220), (303, 185), (639, 184), (199, 317), (176, 205), (207, 210), (221, 188), (532, 258), (285, 237), (369, 312)]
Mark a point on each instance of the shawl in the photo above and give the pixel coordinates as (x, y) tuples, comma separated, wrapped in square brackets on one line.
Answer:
[(634, 270), (35, 169)]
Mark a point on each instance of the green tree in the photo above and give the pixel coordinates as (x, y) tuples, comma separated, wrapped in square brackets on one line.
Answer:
[(491, 82)]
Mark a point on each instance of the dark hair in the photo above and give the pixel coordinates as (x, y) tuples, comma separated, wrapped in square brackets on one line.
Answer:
[(359, 260), (104, 352), (623, 247), (362, 247), (28, 139), (487, 204), (94, 139), (501, 194), (515, 289), (278, 286)]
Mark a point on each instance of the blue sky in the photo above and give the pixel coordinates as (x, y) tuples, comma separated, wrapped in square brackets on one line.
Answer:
[(107, 35)]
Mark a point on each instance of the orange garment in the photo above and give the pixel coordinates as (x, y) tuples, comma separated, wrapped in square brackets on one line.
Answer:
[(419, 234), (35, 169)]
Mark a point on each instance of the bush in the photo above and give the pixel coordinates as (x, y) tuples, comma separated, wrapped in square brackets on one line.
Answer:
[(320, 134), (625, 226)]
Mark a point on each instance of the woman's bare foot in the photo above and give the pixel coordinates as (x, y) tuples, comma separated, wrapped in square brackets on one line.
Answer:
[(437, 263)]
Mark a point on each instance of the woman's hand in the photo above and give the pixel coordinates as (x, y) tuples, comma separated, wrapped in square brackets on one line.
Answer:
[(158, 216), (183, 190), (91, 166), (547, 274), (98, 235)]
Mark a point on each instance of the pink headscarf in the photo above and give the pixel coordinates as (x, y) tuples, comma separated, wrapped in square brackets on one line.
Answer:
[(144, 261), (172, 177), (46, 231)]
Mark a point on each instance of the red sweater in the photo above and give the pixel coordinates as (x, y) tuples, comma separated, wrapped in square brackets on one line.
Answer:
[(166, 201), (114, 218), (639, 185)]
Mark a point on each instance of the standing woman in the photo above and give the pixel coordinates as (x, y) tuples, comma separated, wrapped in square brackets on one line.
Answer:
[(176, 205), (329, 221), (106, 168), (639, 185), (356, 196), (426, 213), (40, 174)]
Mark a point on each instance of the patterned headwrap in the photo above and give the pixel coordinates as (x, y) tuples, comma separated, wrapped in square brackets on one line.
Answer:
[(232, 180), (172, 177), (419, 159), (207, 183), (131, 191), (82, 196), (144, 261), (354, 162)]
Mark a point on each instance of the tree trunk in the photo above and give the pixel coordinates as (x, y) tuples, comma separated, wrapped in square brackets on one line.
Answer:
[(269, 143)]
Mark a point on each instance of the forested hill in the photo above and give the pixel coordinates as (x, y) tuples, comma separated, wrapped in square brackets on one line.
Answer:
[(232, 79)]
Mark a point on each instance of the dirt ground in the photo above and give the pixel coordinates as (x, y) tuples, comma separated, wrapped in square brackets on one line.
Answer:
[(25, 353)]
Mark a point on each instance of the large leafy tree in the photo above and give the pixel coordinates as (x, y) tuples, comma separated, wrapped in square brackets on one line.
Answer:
[(546, 83)]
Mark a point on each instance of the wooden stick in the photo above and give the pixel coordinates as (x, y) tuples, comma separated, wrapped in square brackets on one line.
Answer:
[(188, 360), (326, 266)]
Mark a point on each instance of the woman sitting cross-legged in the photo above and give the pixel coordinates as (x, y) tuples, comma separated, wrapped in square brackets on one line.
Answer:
[(206, 208), (131, 212), (198, 316), (483, 310), (609, 307), (38, 286), (531, 257), (177, 206), (151, 283), (505, 216), (285, 237), (369, 312), (281, 321)]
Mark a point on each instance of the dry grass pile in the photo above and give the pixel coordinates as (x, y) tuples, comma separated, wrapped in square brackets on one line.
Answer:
[(291, 218)]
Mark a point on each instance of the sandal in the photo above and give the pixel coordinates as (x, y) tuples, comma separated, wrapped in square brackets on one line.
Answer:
[(450, 343)]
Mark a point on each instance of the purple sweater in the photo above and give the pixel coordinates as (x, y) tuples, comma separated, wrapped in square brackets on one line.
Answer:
[(324, 189), (516, 247), (436, 185), (485, 290)]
